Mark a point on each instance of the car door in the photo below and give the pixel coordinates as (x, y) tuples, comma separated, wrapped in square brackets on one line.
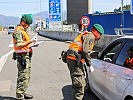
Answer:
[(101, 65), (118, 76), (96, 78)]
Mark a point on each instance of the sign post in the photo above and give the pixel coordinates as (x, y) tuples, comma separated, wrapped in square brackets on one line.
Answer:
[(131, 8)]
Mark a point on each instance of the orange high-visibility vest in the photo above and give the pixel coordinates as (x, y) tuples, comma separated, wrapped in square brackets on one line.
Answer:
[(77, 43), (26, 38), (129, 63), (77, 46)]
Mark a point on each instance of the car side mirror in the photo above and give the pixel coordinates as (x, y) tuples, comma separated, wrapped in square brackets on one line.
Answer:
[(94, 54)]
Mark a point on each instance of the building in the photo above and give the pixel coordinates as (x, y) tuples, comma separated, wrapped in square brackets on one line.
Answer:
[(75, 10)]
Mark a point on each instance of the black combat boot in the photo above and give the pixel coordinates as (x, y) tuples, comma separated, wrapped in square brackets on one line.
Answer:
[(27, 96)]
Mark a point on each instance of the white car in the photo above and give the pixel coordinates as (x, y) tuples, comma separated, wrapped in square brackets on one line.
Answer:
[(111, 79), (11, 29)]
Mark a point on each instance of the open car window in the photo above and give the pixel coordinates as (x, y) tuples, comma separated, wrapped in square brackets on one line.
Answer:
[(123, 55), (110, 51)]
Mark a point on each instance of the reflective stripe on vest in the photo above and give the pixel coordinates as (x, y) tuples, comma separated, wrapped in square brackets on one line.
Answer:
[(71, 57), (74, 58), (26, 38)]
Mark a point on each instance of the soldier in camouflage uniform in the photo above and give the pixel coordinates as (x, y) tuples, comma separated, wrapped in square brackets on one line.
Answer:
[(77, 54), (22, 54)]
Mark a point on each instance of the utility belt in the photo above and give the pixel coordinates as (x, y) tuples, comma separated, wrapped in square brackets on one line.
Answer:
[(20, 57), (74, 55), (22, 54)]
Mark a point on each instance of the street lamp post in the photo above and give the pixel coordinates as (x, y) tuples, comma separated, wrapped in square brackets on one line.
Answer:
[(122, 15)]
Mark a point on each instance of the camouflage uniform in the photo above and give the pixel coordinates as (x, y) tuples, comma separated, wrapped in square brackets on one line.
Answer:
[(23, 71), (77, 70)]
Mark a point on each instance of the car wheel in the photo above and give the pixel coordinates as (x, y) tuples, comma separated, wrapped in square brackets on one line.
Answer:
[(130, 98)]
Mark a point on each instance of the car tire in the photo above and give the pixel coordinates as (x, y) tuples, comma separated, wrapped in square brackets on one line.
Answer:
[(130, 98)]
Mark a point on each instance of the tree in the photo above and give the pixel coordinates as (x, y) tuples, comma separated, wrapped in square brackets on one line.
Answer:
[(125, 7)]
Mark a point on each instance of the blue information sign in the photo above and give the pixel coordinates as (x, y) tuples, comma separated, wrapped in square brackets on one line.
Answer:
[(51, 0), (54, 17), (54, 10), (51, 8), (57, 8), (57, 0), (54, 0)]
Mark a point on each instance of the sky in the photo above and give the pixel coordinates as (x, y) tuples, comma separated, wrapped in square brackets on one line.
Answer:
[(18, 7), (107, 5)]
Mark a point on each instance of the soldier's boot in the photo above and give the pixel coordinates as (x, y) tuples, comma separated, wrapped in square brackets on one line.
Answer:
[(27, 96), (19, 96)]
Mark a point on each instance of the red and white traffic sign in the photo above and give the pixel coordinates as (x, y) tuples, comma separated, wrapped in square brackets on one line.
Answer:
[(85, 21)]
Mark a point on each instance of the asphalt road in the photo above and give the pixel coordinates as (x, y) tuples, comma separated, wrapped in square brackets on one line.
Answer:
[(50, 78)]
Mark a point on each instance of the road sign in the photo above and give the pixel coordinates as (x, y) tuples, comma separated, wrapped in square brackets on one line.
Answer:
[(55, 17), (54, 10), (85, 21)]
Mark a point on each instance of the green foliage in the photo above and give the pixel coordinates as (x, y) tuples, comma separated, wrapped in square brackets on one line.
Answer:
[(125, 7), (1, 28)]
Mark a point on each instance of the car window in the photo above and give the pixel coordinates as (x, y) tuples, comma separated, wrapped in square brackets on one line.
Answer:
[(110, 52), (123, 55)]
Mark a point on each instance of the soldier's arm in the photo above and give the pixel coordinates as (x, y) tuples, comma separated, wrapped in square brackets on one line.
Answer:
[(19, 39), (86, 46)]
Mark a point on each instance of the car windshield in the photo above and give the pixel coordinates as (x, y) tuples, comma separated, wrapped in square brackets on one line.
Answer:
[(11, 27)]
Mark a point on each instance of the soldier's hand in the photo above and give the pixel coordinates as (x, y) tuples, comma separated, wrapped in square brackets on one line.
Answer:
[(32, 41), (91, 69)]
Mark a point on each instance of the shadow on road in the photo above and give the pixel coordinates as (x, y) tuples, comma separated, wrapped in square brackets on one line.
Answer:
[(67, 94), (90, 96), (7, 98)]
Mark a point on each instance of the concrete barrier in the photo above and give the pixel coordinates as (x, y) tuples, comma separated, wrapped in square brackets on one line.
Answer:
[(59, 35), (69, 36)]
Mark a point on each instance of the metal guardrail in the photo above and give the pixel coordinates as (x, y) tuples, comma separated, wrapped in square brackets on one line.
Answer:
[(123, 31)]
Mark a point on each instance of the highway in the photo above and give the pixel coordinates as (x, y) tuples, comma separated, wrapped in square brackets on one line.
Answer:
[(50, 79)]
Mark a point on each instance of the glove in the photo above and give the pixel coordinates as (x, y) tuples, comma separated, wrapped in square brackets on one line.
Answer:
[(91, 69)]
